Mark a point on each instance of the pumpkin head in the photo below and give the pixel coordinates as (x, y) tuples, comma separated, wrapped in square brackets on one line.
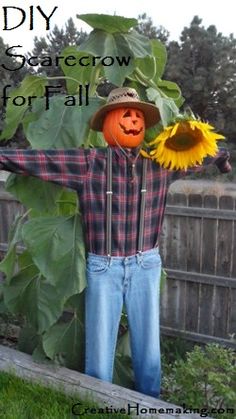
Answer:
[(125, 126)]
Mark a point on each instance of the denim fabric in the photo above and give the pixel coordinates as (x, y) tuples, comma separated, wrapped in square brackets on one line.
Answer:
[(135, 282)]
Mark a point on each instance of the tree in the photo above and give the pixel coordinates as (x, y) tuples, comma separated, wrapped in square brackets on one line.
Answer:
[(203, 64), (54, 43), (147, 28)]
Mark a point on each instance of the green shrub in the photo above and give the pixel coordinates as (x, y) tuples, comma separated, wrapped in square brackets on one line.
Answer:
[(206, 379)]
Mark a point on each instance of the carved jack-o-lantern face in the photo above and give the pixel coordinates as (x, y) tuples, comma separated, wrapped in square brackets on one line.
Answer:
[(125, 126)]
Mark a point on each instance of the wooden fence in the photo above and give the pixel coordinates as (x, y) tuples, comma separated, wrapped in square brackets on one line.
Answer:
[(198, 248)]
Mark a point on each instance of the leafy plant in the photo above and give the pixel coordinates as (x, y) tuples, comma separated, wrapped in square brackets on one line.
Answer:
[(49, 276), (207, 379)]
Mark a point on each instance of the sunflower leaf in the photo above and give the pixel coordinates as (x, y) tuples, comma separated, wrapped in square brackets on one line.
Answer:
[(57, 249), (167, 107), (110, 24)]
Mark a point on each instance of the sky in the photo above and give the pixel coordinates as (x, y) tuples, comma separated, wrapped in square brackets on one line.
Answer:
[(172, 14)]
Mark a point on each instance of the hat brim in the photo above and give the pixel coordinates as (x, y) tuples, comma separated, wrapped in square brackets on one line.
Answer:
[(151, 113)]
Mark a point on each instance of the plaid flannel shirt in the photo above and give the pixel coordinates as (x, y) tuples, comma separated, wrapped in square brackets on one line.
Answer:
[(84, 170)]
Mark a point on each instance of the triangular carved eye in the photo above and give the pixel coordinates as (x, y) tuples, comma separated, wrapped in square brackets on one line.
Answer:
[(138, 115), (127, 114)]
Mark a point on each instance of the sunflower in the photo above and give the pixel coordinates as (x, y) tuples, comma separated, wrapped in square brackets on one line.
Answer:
[(184, 144)]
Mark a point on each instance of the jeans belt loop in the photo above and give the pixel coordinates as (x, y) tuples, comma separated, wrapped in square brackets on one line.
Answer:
[(109, 260), (139, 257)]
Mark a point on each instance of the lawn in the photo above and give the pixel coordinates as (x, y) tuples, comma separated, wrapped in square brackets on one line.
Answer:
[(21, 399)]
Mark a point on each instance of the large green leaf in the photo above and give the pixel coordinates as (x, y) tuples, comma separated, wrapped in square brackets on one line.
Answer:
[(160, 55), (171, 90), (29, 294), (28, 339), (103, 44), (117, 45), (95, 44), (61, 126), (139, 44), (146, 66), (130, 44), (77, 74), (76, 302), (3, 308), (96, 139), (8, 264), (64, 343), (30, 86), (167, 107), (109, 23), (42, 202), (57, 248)]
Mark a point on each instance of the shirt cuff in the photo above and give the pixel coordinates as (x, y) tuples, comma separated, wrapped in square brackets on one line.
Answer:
[(222, 162)]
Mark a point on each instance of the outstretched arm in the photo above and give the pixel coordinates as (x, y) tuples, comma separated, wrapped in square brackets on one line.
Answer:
[(64, 167)]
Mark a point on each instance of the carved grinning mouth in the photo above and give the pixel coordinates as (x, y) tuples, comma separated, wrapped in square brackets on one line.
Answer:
[(131, 131)]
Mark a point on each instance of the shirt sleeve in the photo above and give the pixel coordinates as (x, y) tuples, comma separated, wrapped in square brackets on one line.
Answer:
[(64, 167), (219, 160)]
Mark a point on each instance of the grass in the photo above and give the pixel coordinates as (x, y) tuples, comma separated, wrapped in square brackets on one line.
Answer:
[(21, 399)]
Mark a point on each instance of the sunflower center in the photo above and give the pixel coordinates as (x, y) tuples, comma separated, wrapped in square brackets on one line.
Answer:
[(180, 142)]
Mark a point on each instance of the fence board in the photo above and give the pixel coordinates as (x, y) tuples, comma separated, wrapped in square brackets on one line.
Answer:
[(201, 278), (205, 309), (177, 235), (163, 245), (209, 237), (193, 264), (175, 314), (192, 306), (197, 337), (225, 237), (220, 312), (176, 252), (232, 314), (180, 199), (172, 302), (201, 212), (233, 257), (194, 227)]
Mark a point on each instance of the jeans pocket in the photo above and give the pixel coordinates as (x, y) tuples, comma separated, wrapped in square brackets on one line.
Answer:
[(97, 267), (151, 261)]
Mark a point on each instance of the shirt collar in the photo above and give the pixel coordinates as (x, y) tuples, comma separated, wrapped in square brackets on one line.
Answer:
[(132, 153)]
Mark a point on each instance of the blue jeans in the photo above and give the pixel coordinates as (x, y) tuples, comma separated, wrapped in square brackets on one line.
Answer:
[(135, 282)]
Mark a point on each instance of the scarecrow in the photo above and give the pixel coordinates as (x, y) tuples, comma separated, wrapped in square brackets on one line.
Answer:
[(122, 194)]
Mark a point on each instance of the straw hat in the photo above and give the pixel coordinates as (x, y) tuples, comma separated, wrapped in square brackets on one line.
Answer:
[(128, 98)]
